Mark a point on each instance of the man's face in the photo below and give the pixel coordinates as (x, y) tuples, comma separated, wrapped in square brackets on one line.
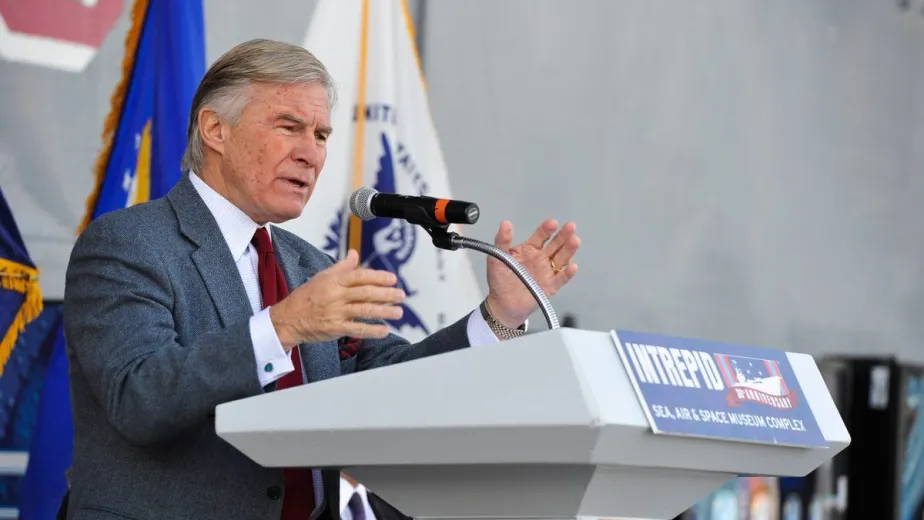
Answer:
[(274, 154)]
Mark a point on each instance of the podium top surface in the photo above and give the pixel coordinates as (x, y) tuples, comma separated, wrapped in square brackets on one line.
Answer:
[(555, 397)]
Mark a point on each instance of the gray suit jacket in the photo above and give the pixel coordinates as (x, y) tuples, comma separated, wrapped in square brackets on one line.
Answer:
[(156, 323)]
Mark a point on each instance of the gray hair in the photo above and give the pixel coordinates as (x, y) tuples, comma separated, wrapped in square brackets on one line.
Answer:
[(225, 87)]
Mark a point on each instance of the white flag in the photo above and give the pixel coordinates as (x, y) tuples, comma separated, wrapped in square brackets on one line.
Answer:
[(369, 50)]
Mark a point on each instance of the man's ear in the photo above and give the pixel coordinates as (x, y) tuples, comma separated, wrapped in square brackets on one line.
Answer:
[(212, 130)]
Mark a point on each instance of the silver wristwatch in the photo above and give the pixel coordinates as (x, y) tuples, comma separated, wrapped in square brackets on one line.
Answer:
[(501, 331)]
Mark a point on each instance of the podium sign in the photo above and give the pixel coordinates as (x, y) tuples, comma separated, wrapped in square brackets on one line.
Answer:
[(718, 390)]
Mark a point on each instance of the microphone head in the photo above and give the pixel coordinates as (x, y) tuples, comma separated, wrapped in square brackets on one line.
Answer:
[(361, 202)]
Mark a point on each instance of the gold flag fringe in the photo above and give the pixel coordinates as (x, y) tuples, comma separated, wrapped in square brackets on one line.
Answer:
[(24, 280), (139, 10)]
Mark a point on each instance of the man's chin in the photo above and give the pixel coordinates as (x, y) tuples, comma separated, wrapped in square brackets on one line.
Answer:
[(285, 207), (283, 218), (283, 215)]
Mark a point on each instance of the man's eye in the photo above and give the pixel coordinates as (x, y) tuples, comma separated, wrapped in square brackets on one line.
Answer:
[(321, 137), (288, 128)]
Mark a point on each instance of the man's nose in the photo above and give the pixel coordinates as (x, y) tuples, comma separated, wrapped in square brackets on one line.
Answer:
[(307, 153)]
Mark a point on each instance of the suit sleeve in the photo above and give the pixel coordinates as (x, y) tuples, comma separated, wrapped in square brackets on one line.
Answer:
[(395, 349), (118, 318)]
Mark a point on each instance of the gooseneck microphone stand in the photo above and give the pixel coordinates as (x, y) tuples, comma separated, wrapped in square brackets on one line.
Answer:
[(451, 241)]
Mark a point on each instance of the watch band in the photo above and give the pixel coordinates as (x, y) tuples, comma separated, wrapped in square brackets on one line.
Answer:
[(500, 330)]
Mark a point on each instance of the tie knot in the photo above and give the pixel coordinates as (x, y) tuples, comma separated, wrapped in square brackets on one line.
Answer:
[(261, 241)]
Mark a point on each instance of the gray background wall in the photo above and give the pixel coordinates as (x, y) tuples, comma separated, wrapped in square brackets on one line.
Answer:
[(739, 170)]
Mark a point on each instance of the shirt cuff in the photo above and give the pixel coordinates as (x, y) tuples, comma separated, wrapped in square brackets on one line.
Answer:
[(273, 361), (479, 333)]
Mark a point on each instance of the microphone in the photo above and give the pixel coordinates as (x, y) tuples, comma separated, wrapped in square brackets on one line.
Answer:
[(435, 215), (368, 203)]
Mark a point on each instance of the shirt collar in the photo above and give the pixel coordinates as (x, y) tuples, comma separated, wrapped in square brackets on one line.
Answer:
[(346, 492), (235, 226)]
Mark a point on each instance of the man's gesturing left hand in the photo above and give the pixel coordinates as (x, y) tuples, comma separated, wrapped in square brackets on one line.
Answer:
[(546, 255)]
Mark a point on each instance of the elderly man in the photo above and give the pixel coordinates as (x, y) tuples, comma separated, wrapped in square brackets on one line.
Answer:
[(178, 305)]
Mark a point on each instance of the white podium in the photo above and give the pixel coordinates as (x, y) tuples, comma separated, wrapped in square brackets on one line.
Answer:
[(544, 426)]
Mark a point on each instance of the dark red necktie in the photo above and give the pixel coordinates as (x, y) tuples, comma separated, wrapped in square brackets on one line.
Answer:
[(299, 496)]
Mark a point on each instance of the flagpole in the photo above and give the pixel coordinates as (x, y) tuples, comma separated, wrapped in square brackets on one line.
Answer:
[(415, 39), (355, 229), (420, 18)]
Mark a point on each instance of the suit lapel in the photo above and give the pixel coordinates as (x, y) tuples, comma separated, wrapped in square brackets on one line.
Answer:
[(382, 509), (319, 360), (212, 258), (218, 271), (216, 266)]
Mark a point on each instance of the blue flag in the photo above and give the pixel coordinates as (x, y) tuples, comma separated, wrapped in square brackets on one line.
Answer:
[(20, 294), (145, 133), (144, 138), (52, 442), (20, 303)]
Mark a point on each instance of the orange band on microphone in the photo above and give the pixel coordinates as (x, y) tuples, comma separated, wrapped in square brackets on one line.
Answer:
[(440, 210)]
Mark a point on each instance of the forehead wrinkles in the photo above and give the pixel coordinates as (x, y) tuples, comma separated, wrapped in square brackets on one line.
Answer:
[(294, 100)]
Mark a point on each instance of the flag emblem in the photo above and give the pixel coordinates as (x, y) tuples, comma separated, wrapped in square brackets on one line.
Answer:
[(387, 244), (754, 380)]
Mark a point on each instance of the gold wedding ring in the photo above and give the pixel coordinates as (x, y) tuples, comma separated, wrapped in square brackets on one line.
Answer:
[(555, 268)]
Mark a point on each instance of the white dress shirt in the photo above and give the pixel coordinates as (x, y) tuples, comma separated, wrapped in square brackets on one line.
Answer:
[(347, 490), (238, 229)]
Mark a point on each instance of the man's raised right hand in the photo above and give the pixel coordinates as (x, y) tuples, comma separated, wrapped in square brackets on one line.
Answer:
[(329, 305)]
